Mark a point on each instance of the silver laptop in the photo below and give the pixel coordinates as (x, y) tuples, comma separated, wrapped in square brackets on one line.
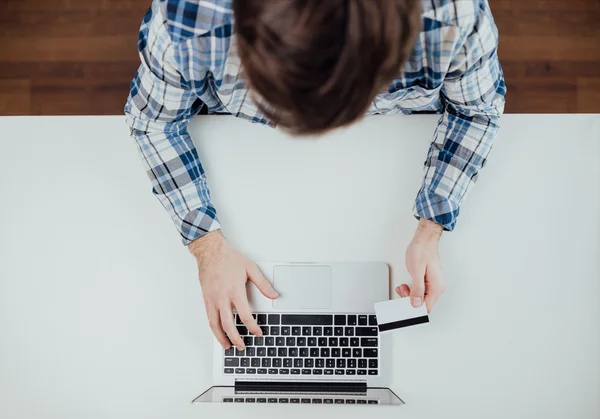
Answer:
[(320, 342)]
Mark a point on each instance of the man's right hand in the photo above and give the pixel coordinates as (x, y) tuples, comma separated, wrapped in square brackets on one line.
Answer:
[(223, 274)]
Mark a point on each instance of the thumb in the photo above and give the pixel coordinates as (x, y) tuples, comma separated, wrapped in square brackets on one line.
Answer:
[(417, 288), (262, 283)]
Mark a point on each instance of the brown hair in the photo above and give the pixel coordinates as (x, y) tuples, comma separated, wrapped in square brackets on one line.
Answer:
[(318, 64)]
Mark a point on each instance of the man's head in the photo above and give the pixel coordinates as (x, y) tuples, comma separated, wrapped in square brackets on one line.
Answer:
[(318, 64)]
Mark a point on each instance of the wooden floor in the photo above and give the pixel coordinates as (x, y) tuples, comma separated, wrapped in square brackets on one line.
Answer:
[(77, 57)]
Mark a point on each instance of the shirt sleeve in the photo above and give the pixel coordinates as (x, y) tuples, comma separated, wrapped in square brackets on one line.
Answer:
[(473, 96), (160, 104)]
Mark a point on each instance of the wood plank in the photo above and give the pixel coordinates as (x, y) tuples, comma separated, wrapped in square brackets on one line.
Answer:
[(542, 6), (557, 23), (588, 95), (547, 68), (14, 97), (527, 48), (96, 49), (91, 5), (67, 70), (541, 96)]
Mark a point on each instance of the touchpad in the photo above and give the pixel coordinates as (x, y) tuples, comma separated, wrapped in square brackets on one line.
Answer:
[(302, 286)]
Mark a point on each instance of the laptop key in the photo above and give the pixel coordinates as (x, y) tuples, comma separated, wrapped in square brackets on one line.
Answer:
[(333, 341), (273, 318), (240, 353), (314, 352), (261, 319), (317, 372), (240, 370), (285, 330), (356, 353), (287, 362), (306, 331), (274, 330), (255, 362), (242, 330), (328, 372), (307, 319), (362, 372), (304, 352), (350, 372), (306, 372), (339, 372), (279, 341), (330, 363), (343, 341), (370, 353), (304, 400), (294, 400), (338, 331), (317, 401), (284, 400), (312, 342), (362, 320), (372, 363), (346, 352), (245, 362), (273, 371), (284, 371), (261, 400), (239, 400), (272, 400), (238, 320), (349, 331), (265, 330), (272, 351), (319, 363), (290, 341), (269, 341), (276, 362), (354, 342), (322, 341), (350, 401), (328, 401), (339, 320), (266, 362), (261, 371), (301, 341), (228, 370), (282, 352), (228, 400), (372, 320), (250, 370), (317, 331), (368, 342), (293, 352), (361, 401), (251, 351), (259, 341), (362, 363), (231, 362), (309, 363), (295, 371), (365, 331), (298, 363), (328, 331), (341, 363), (372, 372), (339, 401), (230, 351), (296, 331), (352, 320), (373, 402), (324, 352), (250, 400), (335, 352)]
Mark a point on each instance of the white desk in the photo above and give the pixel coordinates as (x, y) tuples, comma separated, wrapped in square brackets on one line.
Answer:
[(100, 308)]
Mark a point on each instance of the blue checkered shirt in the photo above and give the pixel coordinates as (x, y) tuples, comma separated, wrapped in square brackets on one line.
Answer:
[(190, 60)]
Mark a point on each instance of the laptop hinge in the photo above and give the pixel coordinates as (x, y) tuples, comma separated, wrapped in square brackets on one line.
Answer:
[(308, 387)]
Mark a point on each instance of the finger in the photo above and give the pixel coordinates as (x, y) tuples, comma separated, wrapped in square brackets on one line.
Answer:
[(229, 327), (403, 290), (262, 283), (214, 321), (243, 308), (434, 277), (431, 298), (417, 288)]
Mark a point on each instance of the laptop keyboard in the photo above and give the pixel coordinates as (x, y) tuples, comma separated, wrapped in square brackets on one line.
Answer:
[(301, 400), (307, 344)]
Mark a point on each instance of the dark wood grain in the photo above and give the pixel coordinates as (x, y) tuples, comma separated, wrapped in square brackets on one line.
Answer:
[(74, 57)]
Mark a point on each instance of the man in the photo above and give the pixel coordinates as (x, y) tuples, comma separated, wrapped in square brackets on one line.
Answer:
[(309, 66)]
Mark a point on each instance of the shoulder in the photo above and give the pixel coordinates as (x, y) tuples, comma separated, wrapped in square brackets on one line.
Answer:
[(460, 13), (185, 19)]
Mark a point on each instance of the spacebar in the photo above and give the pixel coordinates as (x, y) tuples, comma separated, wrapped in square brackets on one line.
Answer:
[(307, 319)]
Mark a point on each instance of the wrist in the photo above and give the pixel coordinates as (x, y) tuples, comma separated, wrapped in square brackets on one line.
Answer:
[(428, 231), (206, 244)]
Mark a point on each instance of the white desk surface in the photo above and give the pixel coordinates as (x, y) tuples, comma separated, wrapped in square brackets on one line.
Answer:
[(100, 308)]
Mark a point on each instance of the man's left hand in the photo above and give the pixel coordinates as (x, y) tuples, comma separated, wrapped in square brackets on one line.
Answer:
[(423, 264)]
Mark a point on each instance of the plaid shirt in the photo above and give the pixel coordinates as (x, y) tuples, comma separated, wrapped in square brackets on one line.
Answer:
[(189, 59)]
